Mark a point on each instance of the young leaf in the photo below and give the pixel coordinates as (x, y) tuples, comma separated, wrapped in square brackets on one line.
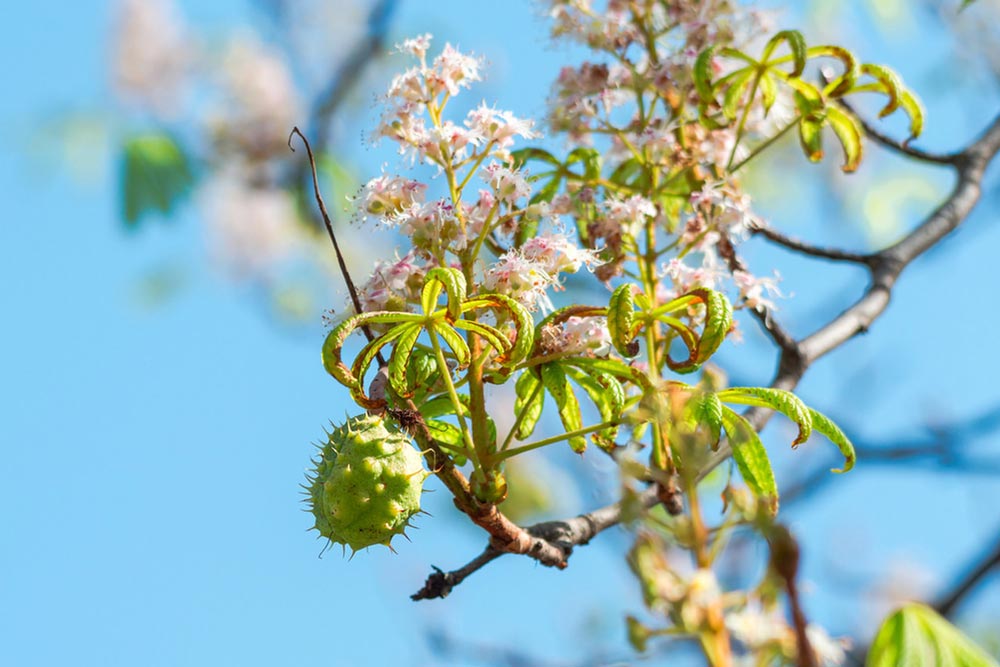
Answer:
[(400, 359), (751, 457), (796, 43), (849, 132), (917, 635), (915, 110), (621, 321), (155, 175), (557, 384), (703, 75), (706, 411), (783, 401), (454, 284), (811, 138), (456, 343), (823, 424), (528, 398)]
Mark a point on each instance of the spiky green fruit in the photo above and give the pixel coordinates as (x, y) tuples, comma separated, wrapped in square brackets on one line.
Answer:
[(366, 484)]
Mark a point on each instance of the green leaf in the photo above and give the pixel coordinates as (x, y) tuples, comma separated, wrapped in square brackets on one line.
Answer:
[(607, 394), (707, 411), (823, 424), (703, 75), (795, 42), (849, 132), (454, 284), (155, 175), (400, 359), (783, 401), (621, 320), (447, 433), (751, 457), (493, 337), (843, 83), (334, 343), (768, 92), (718, 322), (737, 90), (457, 344), (528, 389), (915, 110), (591, 159), (523, 155), (890, 84), (917, 635), (557, 384), (811, 139)]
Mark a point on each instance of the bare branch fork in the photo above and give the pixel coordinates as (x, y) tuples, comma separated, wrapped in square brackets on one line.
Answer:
[(796, 355)]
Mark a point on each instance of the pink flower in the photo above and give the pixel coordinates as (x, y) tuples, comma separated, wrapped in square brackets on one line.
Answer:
[(556, 253)]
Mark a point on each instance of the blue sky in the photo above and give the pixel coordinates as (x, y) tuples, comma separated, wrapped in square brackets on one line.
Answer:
[(152, 456)]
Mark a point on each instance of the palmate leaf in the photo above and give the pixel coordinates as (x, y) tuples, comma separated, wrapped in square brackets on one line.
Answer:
[(442, 324), (817, 107), (751, 457), (917, 635), (155, 175)]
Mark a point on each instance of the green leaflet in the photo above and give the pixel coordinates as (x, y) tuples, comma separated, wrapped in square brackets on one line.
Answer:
[(155, 175), (523, 324), (703, 75), (917, 635), (706, 410), (849, 132), (621, 321), (591, 159), (334, 342), (558, 386), (739, 85), (400, 359), (493, 337), (528, 393), (823, 424), (783, 401), (795, 42), (608, 395), (751, 457), (453, 283), (811, 139), (845, 81), (456, 343), (915, 110), (718, 322), (890, 83), (768, 92)]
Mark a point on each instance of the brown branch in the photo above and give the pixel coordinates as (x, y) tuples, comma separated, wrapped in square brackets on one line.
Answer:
[(902, 147), (562, 534), (763, 229)]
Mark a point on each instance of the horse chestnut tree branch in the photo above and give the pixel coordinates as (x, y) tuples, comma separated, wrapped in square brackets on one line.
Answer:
[(646, 202)]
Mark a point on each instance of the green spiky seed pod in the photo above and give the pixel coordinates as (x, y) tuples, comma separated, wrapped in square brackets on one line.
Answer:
[(366, 484)]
